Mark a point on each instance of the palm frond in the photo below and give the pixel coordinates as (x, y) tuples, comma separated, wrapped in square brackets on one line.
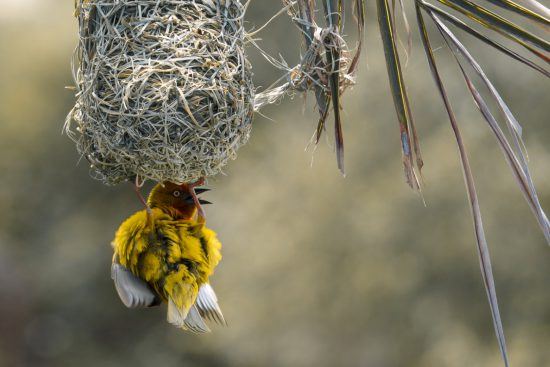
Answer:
[(521, 10), (463, 26), (482, 247), (466, 16), (359, 8), (516, 159), (400, 98), (306, 13), (501, 25), (326, 68), (539, 7), (334, 13)]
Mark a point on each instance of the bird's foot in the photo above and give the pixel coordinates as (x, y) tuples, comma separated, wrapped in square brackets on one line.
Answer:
[(137, 188)]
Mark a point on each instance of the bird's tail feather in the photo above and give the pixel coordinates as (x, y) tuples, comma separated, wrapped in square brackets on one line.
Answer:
[(187, 319), (194, 322), (176, 315), (207, 304)]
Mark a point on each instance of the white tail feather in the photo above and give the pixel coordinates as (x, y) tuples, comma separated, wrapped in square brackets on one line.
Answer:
[(207, 304), (194, 322), (175, 315)]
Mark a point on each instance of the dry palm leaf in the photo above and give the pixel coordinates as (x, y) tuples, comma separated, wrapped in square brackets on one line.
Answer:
[(326, 69)]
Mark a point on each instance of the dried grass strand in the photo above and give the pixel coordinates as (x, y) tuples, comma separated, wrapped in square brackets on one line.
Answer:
[(164, 89)]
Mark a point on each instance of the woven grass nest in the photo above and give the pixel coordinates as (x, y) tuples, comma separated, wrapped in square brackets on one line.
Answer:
[(164, 90)]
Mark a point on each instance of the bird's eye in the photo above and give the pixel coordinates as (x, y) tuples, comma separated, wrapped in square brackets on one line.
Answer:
[(176, 194)]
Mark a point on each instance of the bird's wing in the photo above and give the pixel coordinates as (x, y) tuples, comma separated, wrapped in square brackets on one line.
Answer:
[(190, 320), (194, 321), (207, 304), (133, 292)]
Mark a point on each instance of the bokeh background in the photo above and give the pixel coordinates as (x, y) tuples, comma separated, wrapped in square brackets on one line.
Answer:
[(318, 270)]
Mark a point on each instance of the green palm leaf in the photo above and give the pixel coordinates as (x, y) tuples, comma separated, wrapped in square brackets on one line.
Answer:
[(501, 25), (463, 26), (483, 249), (399, 93), (465, 16), (521, 10), (334, 14)]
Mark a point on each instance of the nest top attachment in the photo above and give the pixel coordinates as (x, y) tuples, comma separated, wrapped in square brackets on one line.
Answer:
[(164, 90)]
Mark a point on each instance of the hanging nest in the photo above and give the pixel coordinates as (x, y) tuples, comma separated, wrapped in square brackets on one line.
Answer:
[(164, 90)]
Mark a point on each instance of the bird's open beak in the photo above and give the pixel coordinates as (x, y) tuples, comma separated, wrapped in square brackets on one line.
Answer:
[(189, 200), (200, 190)]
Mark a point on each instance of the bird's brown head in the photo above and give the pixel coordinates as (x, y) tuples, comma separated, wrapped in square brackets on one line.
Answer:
[(172, 197)]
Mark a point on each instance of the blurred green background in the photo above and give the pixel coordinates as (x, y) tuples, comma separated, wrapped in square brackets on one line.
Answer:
[(318, 270)]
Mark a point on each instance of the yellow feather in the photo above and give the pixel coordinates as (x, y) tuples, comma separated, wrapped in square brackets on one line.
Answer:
[(174, 255)]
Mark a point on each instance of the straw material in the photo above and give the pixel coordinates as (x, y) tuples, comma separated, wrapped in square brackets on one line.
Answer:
[(164, 88)]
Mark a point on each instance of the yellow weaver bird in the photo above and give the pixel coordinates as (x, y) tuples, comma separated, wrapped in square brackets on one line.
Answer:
[(166, 254)]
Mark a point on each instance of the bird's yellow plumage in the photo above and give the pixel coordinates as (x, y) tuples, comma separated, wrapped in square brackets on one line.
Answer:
[(171, 253)]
